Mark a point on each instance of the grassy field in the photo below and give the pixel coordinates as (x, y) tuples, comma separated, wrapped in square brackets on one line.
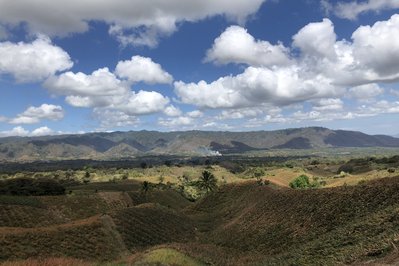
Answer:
[(351, 218)]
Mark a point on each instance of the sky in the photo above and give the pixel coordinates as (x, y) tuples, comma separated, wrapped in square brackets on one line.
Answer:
[(227, 65)]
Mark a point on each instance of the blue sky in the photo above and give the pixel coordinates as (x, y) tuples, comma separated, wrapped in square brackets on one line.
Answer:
[(73, 66)]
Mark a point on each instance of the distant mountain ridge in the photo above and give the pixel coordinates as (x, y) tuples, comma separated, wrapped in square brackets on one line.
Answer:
[(137, 143)]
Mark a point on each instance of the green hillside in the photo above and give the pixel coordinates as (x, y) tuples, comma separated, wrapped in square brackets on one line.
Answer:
[(239, 224)]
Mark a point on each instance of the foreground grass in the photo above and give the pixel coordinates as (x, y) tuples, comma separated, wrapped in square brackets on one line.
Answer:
[(167, 256), (48, 262), (242, 223)]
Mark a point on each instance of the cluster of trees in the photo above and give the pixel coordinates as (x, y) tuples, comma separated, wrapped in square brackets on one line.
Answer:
[(190, 189), (31, 187), (303, 181)]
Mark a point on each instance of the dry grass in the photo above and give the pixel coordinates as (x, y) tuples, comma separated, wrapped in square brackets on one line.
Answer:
[(48, 262), (241, 223), (351, 180), (166, 256), (283, 176)]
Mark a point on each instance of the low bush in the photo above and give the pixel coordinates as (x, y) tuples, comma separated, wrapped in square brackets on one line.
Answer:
[(303, 181), (31, 187)]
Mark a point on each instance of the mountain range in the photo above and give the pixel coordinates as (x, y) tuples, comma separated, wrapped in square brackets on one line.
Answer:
[(139, 143)]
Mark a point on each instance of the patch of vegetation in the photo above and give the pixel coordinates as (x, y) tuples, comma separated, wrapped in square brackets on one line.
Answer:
[(302, 227), (86, 239), (207, 181), (236, 220), (19, 200), (167, 256), (31, 187), (150, 224), (303, 181)]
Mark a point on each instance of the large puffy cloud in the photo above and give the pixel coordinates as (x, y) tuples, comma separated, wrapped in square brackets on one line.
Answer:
[(256, 86), (143, 102), (316, 39), (34, 115), (351, 10), (102, 89), (34, 61), (135, 21), (371, 57), (42, 131), (142, 69), (16, 131), (324, 68), (236, 45), (377, 47)]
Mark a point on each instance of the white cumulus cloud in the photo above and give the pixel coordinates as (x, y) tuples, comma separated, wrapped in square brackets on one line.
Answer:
[(236, 45), (143, 102), (34, 115), (143, 69), (323, 68), (254, 87), (110, 96), (29, 62), (316, 39), (22, 132), (16, 131), (136, 22), (172, 110), (352, 9), (100, 88), (42, 131), (377, 48)]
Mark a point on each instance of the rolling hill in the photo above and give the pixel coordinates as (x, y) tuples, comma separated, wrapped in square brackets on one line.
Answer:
[(138, 143), (239, 224)]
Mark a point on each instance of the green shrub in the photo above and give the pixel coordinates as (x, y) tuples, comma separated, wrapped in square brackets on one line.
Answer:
[(31, 187), (303, 181)]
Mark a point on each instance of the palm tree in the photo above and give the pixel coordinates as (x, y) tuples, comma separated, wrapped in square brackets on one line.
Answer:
[(145, 187), (207, 181)]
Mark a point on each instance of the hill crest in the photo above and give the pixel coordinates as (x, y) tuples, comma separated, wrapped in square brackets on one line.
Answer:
[(116, 145)]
